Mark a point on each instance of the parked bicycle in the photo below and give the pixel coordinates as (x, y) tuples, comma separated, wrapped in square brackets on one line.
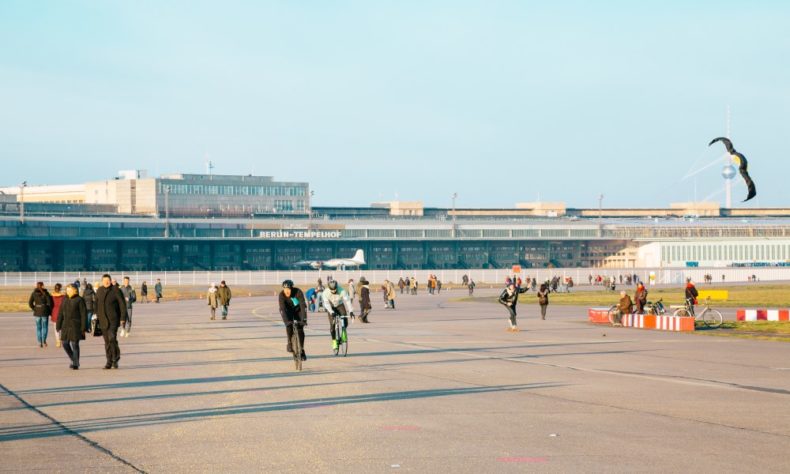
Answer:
[(709, 317)]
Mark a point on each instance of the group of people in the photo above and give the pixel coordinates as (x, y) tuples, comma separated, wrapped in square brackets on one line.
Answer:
[(509, 298), (317, 298), (106, 311), (335, 300), (626, 305), (219, 297)]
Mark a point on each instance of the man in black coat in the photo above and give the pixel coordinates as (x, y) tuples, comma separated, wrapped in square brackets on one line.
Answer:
[(293, 310), (111, 313), (72, 324)]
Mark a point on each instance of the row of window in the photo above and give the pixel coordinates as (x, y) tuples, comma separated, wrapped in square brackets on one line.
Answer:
[(223, 190), (736, 252)]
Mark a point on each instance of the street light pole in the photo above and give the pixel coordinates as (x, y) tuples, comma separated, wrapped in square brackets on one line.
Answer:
[(167, 210), (455, 196), (22, 201), (600, 206), (310, 212)]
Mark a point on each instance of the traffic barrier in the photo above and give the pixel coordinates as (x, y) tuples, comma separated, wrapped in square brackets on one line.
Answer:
[(675, 323), (644, 321), (763, 315), (598, 315)]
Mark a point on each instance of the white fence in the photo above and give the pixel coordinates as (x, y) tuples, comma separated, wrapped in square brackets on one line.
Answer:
[(579, 275)]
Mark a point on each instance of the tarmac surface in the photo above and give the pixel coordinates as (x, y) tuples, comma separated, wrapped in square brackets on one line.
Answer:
[(436, 385)]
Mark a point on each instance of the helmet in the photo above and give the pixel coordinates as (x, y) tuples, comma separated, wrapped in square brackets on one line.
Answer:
[(332, 285), (288, 284)]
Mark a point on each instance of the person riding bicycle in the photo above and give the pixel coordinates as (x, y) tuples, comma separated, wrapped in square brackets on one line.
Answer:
[(691, 295), (293, 310), (336, 301)]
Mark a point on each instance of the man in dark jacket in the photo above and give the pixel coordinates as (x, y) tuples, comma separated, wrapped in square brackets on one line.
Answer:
[(293, 310), (71, 324), (364, 300), (509, 299), (224, 295), (90, 302), (130, 296), (41, 303), (111, 313)]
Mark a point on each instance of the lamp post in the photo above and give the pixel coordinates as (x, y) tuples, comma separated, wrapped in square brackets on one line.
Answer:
[(310, 212), (167, 210), (22, 201), (600, 206), (455, 196)]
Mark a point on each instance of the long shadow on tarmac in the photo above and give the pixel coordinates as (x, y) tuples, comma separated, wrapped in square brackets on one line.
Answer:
[(153, 419), (183, 394)]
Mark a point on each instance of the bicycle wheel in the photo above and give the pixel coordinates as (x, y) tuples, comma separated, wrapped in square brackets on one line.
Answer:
[(612, 313), (682, 313), (712, 318), (344, 345), (297, 347), (338, 334)]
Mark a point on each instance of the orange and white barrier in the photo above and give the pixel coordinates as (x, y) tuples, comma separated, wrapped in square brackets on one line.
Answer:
[(763, 315), (644, 321), (598, 315), (674, 323)]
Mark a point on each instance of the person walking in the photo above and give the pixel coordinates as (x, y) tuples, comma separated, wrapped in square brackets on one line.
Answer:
[(401, 284), (471, 285), (71, 324), (365, 305), (543, 300), (130, 296), (390, 295), (352, 290), (57, 301), (89, 295), (41, 303), (213, 300), (158, 290), (144, 292), (111, 314), (293, 311), (414, 286), (224, 294), (509, 299)]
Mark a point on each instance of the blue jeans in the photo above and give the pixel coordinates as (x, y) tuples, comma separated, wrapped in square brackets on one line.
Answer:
[(42, 328), (89, 314)]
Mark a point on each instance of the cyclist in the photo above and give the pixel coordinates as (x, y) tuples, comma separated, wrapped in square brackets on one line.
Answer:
[(509, 299), (293, 309), (691, 295), (336, 301)]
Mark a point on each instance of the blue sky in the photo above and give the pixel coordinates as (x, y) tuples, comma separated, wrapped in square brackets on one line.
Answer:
[(498, 101)]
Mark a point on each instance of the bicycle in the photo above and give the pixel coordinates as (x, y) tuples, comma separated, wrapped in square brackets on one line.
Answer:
[(708, 316), (614, 314), (341, 336), (657, 308), (296, 345)]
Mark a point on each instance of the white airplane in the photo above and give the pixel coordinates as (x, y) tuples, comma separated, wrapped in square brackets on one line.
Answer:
[(340, 263)]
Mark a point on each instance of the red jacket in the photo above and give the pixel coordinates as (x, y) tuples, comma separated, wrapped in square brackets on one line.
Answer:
[(57, 300)]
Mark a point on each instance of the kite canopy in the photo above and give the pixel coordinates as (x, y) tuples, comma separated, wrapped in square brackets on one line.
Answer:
[(743, 165)]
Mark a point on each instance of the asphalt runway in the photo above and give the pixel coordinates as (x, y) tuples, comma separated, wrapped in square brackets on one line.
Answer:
[(434, 386)]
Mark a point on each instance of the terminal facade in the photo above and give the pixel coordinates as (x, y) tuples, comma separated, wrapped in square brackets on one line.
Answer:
[(205, 222)]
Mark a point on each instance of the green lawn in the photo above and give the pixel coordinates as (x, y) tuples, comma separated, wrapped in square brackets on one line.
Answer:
[(762, 330)]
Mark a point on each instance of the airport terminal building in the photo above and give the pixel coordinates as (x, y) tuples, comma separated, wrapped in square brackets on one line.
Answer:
[(207, 222)]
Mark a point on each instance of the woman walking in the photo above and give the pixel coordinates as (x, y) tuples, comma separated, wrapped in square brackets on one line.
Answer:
[(41, 303), (364, 300), (71, 324), (57, 301), (509, 299), (543, 300), (213, 300)]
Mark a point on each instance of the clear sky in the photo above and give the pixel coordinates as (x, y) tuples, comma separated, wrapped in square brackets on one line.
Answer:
[(498, 101)]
